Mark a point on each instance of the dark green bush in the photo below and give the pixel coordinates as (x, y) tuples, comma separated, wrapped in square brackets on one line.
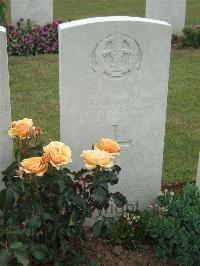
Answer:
[(174, 225), (127, 230), (192, 36)]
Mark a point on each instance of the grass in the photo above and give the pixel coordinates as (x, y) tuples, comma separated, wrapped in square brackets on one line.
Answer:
[(182, 141), (34, 93), (34, 86), (77, 9)]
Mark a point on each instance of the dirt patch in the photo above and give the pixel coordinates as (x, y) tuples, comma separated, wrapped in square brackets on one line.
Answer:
[(176, 186), (107, 254)]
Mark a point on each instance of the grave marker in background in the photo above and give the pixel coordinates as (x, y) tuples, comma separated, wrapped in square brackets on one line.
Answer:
[(113, 75), (6, 149), (172, 11), (39, 12), (198, 174)]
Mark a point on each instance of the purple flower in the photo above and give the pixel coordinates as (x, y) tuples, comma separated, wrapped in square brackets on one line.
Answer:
[(26, 39)]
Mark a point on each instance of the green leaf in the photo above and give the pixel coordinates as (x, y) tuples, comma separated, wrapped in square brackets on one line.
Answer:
[(98, 228), (76, 199), (37, 150), (47, 216), (116, 168), (5, 256), (39, 251), (119, 199), (22, 258), (60, 182), (11, 170), (2, 199), (19, 250), (34, 221), (9, 200), (99, 195), (78, 174), (114, 179)]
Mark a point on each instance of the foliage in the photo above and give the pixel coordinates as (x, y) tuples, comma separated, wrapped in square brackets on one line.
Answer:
[(2, 13), (192, 36), (43, 215), (174, 225), (28, 39), (126, 230)]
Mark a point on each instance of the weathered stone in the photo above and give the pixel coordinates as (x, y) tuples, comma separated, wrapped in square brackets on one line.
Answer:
[(172, 11), (113, 83), (38, 11), (6, 148)]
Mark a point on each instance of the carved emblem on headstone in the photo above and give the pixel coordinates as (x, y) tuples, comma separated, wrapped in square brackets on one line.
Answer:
[(116, 56)]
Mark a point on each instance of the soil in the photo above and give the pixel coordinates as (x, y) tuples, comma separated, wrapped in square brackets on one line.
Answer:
[(176, 186), (106, 254)]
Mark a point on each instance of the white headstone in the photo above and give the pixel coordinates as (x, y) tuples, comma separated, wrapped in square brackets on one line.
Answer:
[(113, 83), (172, 11), (6, 151), (198, 174), (38, 11)]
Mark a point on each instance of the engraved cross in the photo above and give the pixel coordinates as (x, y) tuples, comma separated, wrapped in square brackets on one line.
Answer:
[(125, 143)]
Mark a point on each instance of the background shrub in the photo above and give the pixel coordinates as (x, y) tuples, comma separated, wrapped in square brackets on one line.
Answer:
[(27, 39), (2, 13), (192, 36)]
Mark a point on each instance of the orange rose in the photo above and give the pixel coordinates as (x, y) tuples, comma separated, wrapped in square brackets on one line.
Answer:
[(94, 158), (59, 153), (21, 128), (35, 166), (109, 145)]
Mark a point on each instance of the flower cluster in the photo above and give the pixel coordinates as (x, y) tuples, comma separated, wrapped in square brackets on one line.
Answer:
[(102, 155), (27, 39), (24, 129), (131, 218), (48, 203), (57, 153)]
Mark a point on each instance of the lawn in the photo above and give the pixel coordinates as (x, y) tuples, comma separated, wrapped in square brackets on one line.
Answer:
[(34, 86), (76, 9)]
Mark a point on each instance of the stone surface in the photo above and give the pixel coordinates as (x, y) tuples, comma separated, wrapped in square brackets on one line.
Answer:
[(6, 150), (113, 83), (38, 11), (172, 11), (198, 174)]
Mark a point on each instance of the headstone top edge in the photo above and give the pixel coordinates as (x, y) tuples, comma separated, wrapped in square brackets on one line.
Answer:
[(86, 21), (2, 29)]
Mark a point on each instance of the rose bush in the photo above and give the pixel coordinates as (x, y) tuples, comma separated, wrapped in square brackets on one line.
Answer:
[(44, 206)]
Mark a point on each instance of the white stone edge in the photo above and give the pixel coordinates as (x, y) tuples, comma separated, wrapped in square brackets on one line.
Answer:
[(198, 171), (2, 29), (110, 19)]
